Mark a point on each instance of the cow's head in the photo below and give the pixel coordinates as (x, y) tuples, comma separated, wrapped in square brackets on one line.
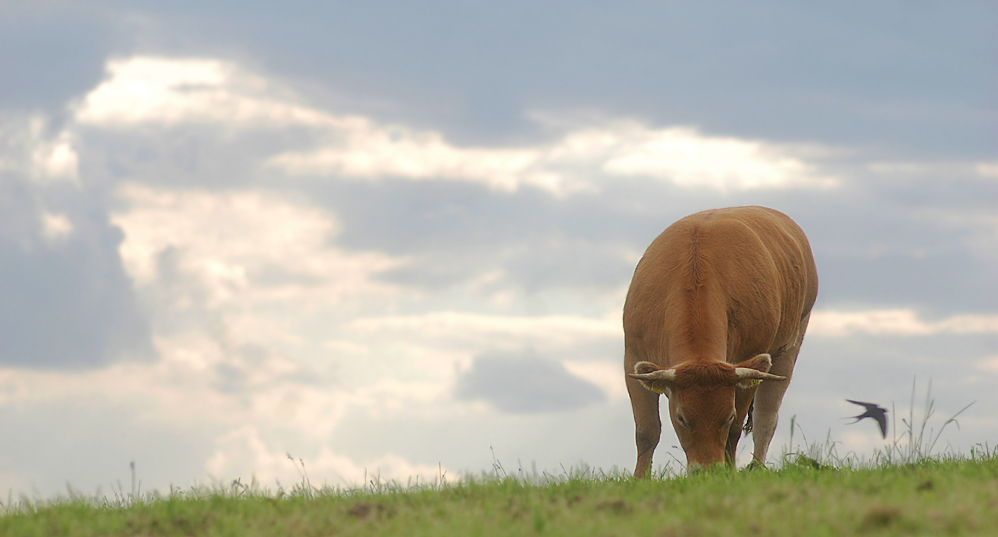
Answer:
[(702, 400)]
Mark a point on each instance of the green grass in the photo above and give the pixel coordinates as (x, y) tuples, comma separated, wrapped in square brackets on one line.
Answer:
[(949, 497), (905, 489)]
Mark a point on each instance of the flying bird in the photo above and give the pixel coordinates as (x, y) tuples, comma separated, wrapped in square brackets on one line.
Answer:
[(874, 411)]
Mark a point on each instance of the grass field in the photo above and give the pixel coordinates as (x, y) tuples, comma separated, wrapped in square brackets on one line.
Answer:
[(903, 490), (951, 497)]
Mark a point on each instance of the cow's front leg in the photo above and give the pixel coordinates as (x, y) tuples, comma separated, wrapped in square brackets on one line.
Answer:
[(647, 424)]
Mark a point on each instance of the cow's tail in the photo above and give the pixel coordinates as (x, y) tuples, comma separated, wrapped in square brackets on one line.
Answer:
[(748, 422)]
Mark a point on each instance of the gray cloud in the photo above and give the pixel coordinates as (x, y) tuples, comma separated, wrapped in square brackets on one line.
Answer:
[(524, 382), (875, 238), (886, 79), (873, 243), (885, 82), (871, 240), (49, 56), (67, 301)]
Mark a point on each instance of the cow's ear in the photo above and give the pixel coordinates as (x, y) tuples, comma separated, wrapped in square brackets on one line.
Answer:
[(760, 362), (654, 377), (755, 370)]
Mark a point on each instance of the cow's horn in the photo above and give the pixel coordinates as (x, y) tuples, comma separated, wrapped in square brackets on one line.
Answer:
[(658, 374), (746, 373)]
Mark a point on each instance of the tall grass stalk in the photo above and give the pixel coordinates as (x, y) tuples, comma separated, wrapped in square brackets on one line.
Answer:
[(916, 443)]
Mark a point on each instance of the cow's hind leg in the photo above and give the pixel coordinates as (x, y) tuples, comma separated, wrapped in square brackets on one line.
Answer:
[(647, 424), (769, 397)]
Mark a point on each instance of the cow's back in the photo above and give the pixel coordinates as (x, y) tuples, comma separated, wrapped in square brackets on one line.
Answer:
[(741, 278)]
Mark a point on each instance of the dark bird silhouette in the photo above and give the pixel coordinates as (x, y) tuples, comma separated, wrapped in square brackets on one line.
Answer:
[(874, 411)]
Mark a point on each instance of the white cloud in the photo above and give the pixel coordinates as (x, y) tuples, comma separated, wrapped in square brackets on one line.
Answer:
[(232, 242), (55, 227), (169, 91), (682, 156), (244, 452), (163, 91), (987, 169), (689, 159), (370, 151), (607, 374), (477, 331), (25, 148), (273, 405), (56, 159), (416, 359), (896, 322), (178, 387), (989, 364)]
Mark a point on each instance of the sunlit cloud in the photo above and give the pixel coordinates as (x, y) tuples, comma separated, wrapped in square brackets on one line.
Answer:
[(896, 322), (690, 159), (987, 169), (989, 364), (55, 227), (270, 411), (189, 376), (245, 451), (607, 374), (250, 247), (371, 151), (577, 162), (25, 147), (165, 92)]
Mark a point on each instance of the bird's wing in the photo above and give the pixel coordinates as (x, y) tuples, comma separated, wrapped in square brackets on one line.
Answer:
[(867, 405), (882, 422)]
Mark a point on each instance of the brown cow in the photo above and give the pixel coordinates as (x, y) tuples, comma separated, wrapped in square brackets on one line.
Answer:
[(714, 317)]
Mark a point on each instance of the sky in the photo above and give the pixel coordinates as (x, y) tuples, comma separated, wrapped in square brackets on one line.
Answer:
[(394, 238)]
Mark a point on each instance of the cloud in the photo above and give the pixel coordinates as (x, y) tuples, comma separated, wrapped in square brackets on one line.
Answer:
[(27, 149), (987, 169), (241, 247), (896, 322), (245, 452), (153, 90), (276, 401), (690, 159), (524, 382), (67, 299), (370, 151), (989, 364), (621, 148), (55, 227), (933, 169), (167, 92), (471, 331), (607, 374)]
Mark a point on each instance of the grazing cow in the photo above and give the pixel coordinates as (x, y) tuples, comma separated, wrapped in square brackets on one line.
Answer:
[(714, 319)]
